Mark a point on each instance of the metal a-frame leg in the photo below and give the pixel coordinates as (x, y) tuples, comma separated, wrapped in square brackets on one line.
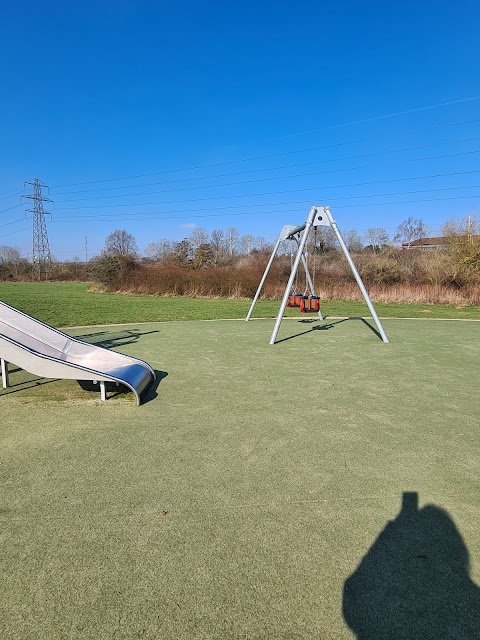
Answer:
[(298, 257), (284, 233), (4, 366), (347, 255)]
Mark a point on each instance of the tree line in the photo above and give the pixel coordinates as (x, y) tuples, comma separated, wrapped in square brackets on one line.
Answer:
[(203, 249), (229, 265), (225, 263)]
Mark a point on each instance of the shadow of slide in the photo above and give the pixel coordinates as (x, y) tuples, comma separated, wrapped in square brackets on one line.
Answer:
[(414, 582), (114, 339), (114, 390)]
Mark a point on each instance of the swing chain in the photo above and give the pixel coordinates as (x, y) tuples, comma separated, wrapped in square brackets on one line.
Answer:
[(314, 259), (295, 284)]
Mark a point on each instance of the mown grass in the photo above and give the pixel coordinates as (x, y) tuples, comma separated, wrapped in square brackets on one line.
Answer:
[(72, 304), (257, 495)]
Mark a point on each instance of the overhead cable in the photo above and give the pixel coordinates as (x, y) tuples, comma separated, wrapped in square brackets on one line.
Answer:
[(263, 157)]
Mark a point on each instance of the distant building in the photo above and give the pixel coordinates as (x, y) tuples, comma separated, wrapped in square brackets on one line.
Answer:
[(429, 244), (425, 244)]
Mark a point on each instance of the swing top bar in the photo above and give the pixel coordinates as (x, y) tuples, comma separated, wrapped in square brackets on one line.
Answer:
[(296, 230)]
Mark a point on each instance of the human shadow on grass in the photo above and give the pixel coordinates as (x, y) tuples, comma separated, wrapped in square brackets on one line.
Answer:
[(109, 339), (113, 389), (414, 582)]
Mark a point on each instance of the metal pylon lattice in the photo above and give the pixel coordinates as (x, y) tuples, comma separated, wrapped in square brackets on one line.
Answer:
[(42, 259)]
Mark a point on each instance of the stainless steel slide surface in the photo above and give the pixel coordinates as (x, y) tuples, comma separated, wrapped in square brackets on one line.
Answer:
[(47, 352)]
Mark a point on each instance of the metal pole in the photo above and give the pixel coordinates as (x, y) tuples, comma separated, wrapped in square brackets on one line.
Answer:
[(4, 365), (296, 231), (346, 252), (298, 257), (267, 269)]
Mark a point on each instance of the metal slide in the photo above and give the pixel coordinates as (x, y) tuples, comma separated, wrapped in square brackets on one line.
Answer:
[(44, 351)]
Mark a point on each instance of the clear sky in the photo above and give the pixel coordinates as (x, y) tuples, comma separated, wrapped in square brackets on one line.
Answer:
[(155, 116)]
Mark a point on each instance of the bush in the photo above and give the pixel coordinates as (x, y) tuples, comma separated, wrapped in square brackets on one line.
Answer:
[(113, 271), (457, 265), (392, 275), (379, 269)]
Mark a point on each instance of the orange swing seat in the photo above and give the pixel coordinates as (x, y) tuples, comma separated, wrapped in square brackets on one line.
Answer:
[(294, 300), (309, 304)]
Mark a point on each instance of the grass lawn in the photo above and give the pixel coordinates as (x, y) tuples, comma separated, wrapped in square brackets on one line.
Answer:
[(71, 304), (258, 492)]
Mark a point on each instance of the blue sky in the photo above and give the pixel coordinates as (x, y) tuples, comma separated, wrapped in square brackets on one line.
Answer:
[(157, 116)]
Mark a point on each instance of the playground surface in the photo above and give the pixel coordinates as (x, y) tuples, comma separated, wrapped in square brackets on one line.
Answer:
[(251, 495)]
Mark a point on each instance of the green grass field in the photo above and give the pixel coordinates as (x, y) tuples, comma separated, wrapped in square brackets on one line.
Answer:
[(71, 304), (258, 491)]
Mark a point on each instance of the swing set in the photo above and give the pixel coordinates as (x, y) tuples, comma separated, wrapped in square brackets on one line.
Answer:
[(309, 301)]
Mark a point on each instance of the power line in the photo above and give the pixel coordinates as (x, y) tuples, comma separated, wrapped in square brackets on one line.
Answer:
[(402, 113), (11, 195), (280, 178), (449, 155), (182, 215), (205, 199), (264, 157), (255, 180), (378, 204), (186, 211), (13, 222), (15, 206), (225, 175), (263, 213), (358, 197), (4, 235), (361, 184)]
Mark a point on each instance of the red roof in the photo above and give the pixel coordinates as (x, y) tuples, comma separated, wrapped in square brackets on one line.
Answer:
[(421, 242), (433, 242)]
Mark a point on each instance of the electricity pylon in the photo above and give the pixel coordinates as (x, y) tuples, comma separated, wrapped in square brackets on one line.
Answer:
[(42, 259)]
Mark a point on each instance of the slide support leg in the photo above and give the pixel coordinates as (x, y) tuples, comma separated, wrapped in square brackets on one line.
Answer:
[(4, 373)]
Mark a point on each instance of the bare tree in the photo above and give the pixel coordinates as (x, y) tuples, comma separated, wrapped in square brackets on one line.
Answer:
[(322, 241), (259, 243), (468, 227), (120, 243), (246, 243), (410, 230), (9, 254), (197, 237), (353, 240), (10, 260), (231, 240), (217, 241), (377, 237), (159, 250)]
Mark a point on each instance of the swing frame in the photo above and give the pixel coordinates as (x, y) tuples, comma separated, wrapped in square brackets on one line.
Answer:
[(317, 217)]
